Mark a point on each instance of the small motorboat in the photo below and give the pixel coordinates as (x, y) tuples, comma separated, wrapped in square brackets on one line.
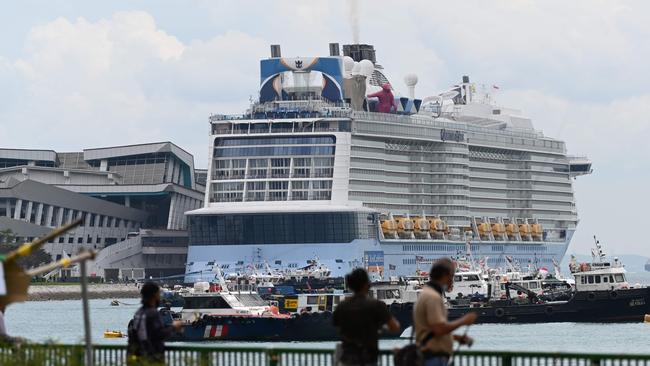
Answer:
[(115, 303), (113, 334)]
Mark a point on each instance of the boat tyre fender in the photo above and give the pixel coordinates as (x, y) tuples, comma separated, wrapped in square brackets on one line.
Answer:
[(549, 310), (613, 294), (499, 312), (591, 296)]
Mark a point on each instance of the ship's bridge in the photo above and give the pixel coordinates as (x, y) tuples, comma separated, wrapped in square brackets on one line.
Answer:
[(579, 165)]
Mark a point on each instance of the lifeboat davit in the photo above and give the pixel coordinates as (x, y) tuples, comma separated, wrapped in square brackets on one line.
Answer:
[(421, 227)]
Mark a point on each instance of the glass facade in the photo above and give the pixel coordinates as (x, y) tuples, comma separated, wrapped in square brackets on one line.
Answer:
[(272, 168), (146, 169), (280, 228)]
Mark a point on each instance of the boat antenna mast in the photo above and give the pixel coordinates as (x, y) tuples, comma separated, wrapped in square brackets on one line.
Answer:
[(599, 249)]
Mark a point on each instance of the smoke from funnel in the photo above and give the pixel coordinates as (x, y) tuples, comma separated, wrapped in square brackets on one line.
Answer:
[(354, 19)]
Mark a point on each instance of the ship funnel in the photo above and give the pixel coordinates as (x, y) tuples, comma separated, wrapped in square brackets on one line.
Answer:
[(360, 52), (275, 50), (334, 49)]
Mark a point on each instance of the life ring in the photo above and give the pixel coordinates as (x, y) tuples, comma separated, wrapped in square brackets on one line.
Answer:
[(548, 310), (591, 296), (499, 312), (613, 294)]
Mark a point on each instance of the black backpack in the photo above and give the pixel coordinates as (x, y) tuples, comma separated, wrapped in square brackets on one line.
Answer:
[(411, 355), (134, 345)]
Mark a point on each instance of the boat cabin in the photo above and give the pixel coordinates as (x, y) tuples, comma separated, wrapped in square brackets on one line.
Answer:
[(301, 303), (468, 284), (600, 276), (395, 291)]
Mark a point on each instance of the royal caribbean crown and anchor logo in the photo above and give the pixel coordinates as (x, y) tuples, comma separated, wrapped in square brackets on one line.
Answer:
[(298, 64)]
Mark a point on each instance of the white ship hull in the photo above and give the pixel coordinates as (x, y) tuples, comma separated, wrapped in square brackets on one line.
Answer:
[(390, 257)]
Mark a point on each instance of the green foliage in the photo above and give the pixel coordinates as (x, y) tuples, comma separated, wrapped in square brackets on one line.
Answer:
[(8, 244)]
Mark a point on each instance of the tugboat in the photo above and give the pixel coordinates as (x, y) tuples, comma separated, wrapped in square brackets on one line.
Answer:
[(602, 294)]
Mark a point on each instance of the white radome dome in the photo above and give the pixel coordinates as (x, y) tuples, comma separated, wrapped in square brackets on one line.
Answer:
[(355, 69), (348, 64), (410, 79), (366, 68)]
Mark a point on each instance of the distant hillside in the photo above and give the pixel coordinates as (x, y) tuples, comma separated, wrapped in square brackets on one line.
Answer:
[(633, 263)]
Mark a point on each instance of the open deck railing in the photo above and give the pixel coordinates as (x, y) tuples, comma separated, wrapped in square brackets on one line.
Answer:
[(221, 355)]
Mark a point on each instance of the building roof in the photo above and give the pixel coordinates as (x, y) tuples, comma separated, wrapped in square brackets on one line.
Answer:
[(22, 228), (28, 154), (132, 189), (139, 149), (40, 192)]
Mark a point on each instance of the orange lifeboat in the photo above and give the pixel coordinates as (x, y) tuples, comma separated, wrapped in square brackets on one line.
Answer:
[(511, 230), (536, 231), (524, 230), (404, 227), (498, 230), (389, 228), (484, 229), (421, 227), (437, 227)]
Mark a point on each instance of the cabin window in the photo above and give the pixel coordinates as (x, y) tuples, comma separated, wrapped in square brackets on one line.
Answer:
[(590, 279), (471, 278), (458, 278), (611, 279), (619, 278), (597, 279), (312, 300), (212, 302), (605, 279), (533, 285), (582, 280)]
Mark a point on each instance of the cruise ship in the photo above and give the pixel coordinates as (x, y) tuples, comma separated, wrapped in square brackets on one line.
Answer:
[(331, 162)]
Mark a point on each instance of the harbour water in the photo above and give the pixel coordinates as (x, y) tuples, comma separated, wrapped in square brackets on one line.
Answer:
[(61, 321)]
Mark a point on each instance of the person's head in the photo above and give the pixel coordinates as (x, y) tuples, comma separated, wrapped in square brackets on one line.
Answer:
[(358, 281), (386, 87), (150, 292), (442, 273)]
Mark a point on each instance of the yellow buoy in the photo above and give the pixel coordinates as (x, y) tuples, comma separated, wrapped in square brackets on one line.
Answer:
[(113, 334)]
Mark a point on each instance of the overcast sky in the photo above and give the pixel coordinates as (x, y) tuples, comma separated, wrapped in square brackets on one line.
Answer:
[(79, 74)]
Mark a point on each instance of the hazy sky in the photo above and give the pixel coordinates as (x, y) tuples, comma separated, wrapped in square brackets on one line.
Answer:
[(78, 74)]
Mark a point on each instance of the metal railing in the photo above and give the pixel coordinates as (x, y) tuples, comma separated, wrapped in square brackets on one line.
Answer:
[(212, 355)]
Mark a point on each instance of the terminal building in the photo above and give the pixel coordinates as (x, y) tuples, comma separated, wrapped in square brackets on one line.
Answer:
[(132, 198)]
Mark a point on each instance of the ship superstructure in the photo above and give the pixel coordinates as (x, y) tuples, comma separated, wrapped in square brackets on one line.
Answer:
[(312, 169)]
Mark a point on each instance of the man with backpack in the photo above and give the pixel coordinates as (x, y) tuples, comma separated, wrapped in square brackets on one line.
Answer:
[(433, 330), (147, 330), (359, 319)]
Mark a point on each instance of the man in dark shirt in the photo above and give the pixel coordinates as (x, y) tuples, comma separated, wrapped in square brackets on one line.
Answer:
[(147, 330), (359, 319)]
